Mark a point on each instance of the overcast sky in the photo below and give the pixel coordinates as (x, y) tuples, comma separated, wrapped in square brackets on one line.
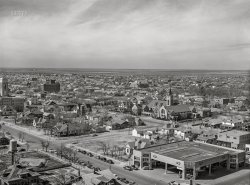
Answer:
[(170, 34)]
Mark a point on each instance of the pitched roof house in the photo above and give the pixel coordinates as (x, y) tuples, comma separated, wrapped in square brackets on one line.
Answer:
[(17, 175)]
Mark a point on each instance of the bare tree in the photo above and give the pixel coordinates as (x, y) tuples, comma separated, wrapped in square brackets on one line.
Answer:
[(43, 144), (46, 145), (112, 151), (103, 147), (20, 135), (74, 156), (60, 150), (61, 179), (27, 146), (120, 152), (108, 149), (115, 148)]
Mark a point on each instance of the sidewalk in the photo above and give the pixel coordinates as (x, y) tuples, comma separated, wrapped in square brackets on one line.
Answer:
[(32, 131)]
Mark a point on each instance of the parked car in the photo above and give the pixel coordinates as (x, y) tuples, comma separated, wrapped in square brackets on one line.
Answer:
[(119, 178), (129, 168), (52, 150), (97, 169), (90, 166), (135, 167), (22, 150), (110, 161), (103, 159), (98, 157), (90, 154), (132, 183), (147, 168), (173, 183), (125, 181)]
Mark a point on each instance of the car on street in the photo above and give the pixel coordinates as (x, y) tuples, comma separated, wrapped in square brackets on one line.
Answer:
[(103, 159), (132, 183), (22, 150), (83, 152), (124, 180), (147, 168), (135, 167), (110, 161), (173, 183), (90, 154), (51, 151), (97, 169), (129, 168)]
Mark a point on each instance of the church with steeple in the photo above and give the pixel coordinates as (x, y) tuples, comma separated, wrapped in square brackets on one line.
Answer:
[(169, 98), (167, 110)]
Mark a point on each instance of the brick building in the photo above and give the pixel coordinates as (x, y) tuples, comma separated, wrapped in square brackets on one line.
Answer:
[(51, 86)]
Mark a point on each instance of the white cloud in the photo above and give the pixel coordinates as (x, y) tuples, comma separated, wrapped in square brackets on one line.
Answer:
[(160, 35)]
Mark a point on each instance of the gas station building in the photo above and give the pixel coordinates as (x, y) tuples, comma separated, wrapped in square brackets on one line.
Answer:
[(188, 156)]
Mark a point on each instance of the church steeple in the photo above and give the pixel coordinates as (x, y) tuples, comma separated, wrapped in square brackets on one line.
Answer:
[(170, 90), (169, 97)]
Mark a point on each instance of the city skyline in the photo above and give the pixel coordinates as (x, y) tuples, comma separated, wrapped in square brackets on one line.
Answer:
[(118, 34)]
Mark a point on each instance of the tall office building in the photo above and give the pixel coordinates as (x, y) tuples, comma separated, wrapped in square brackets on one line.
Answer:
[(4, 89), (51, 86)]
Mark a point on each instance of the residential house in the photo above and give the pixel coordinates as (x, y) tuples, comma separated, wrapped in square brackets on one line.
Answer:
[(73, 128), (201, 112), (104, 177), (7, 111), (214, 123), (120, 124), (3, 139), (232, 123), (242, 100), (139, 122), (146, 111), (137, 144), (146, 134), (207, 137), (182, 132), (17, 175)]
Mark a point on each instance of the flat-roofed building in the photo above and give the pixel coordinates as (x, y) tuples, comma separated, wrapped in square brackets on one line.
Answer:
[(236, 139), (51, 86), (188, 156), (4, 89), (16, 103)]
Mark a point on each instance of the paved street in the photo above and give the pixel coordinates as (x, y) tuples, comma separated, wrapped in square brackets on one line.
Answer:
[(242, 177), (141, 180)]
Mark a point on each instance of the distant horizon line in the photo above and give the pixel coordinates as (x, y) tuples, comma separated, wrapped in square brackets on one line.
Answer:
[(165, 69)]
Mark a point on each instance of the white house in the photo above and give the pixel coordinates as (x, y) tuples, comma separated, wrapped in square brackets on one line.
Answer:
[(142, 134), (232, 123), (182, 133)]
